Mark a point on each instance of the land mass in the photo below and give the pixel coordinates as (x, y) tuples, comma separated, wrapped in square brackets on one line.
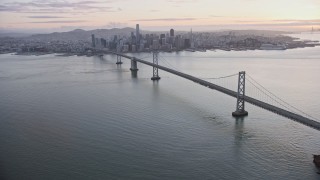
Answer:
[(81, 42)]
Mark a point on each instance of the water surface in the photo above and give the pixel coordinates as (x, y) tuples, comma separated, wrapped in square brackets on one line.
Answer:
[(87, 118)]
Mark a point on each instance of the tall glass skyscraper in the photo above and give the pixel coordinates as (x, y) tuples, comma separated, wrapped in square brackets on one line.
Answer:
[(93, 39), (137, 34), (171, 32)]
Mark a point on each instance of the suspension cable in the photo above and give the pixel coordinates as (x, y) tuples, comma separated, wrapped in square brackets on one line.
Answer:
[(167, 63), (222, 77), (279, 98), (267, 94)]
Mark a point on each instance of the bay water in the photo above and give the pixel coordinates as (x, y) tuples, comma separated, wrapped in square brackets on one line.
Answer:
[(88, 118)]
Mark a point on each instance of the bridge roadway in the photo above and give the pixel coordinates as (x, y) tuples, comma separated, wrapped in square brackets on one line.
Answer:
[(296, 117)]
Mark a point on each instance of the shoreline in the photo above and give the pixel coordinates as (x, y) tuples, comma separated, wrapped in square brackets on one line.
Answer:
[(173, 51), (240, 42)]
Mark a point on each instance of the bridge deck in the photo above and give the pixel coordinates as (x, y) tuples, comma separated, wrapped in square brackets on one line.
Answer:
[(296, 117)]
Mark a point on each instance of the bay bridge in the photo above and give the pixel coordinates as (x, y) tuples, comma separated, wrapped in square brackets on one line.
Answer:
[(282, 108)]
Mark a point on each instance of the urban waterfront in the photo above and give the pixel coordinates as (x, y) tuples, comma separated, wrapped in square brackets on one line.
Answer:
[(87, 118)]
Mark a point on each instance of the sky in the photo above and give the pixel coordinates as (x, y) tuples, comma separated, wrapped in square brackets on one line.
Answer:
[(200, 15)]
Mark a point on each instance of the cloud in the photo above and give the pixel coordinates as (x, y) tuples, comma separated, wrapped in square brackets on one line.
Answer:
[(154, 10), (282, 22), (167, 19), (182, 1), (116, 25), (9, 8), (294, 24), (247, 21), (179, 3), (57, 6), (45, 17), (216, 16), (58, 22), (298, 20)]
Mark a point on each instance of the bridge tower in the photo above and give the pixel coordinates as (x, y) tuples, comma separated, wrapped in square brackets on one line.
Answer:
[(119, 60), (240, 96), (155, 76), (118, 51), (134, 66)]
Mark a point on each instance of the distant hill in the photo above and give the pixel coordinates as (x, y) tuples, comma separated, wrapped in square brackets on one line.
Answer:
[(79, 34), (268, 33), (13, 34)]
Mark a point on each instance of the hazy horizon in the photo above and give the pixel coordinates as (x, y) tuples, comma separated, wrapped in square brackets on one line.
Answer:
[(160, 30), (201, 15)]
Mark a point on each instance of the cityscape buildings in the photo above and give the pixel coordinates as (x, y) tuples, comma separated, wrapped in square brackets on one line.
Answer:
[(82, 42), (146, 42)]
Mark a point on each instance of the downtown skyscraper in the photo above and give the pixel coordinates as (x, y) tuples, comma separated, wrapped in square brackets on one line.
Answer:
[(137, 34)]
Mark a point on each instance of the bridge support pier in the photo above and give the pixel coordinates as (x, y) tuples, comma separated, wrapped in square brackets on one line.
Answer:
[(134, 66), (155, 76), (119, 60), (240, 112)]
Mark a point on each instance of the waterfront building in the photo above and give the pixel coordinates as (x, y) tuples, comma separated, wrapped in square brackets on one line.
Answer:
[(103, 43), (163, 41), (191, 40), (133, 48), (93, 39), (187, 43), (141, 47), (179, 42), (148, 41), (155, 44), (115, 39), (133, 38), (171, 40), (125, 48), (97, 42)]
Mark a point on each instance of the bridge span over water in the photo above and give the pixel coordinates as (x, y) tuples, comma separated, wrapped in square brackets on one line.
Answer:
[(239, 95)]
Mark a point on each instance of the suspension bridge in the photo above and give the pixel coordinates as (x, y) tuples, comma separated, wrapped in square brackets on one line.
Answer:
[(277, 105)]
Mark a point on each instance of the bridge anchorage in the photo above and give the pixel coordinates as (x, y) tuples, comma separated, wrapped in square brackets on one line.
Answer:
[(134, 67), (155, 76), (240, 112)]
